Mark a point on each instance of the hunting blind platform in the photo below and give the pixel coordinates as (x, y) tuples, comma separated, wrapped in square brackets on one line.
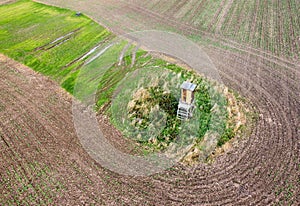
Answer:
[(186, 103)]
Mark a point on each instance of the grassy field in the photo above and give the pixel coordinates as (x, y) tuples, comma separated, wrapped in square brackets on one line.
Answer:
[(47, 39)]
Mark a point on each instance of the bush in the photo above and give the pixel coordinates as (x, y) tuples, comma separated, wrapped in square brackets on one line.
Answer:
[(227, 135)]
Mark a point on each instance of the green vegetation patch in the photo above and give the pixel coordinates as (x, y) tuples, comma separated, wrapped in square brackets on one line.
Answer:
[(46, 38), (145, 108), (148, 98)]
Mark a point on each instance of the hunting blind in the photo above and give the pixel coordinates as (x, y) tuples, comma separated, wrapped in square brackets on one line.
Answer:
[(186, 103)]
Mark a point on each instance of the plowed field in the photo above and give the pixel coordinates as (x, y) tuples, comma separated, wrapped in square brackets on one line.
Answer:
[(42, 161)]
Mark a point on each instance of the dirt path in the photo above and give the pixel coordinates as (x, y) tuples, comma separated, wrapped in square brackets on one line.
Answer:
[(7, 1)]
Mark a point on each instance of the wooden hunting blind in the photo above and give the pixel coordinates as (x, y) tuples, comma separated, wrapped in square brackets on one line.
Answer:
[(186, 102)]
